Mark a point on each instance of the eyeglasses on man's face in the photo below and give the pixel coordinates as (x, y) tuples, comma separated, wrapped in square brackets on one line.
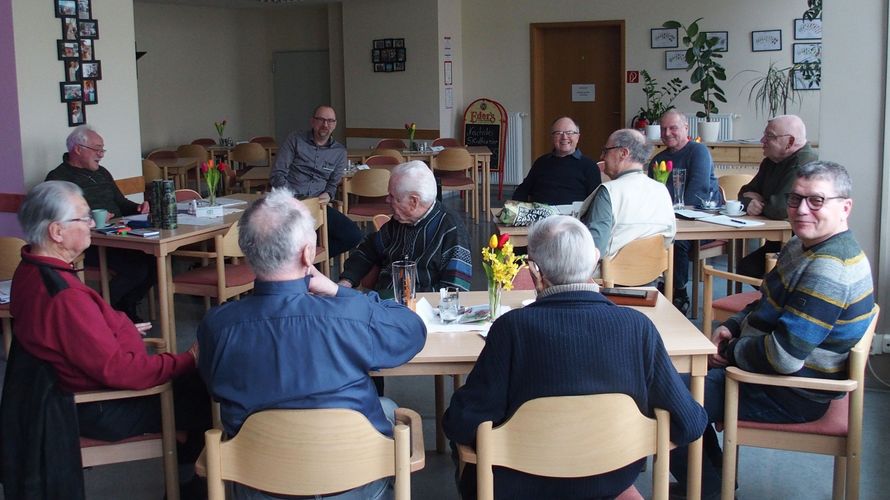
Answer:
[(606, 149), (567, 133), (773, 137), (86, 219), (793, 200), (98, 150), (328, 121)]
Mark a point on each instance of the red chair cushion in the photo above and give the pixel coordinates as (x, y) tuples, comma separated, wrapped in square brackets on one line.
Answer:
[(369, 281), (713, 244), (455, 180), (630, 494), (736, 302), (833, 423), (235, 275), (89, 443), (523, 280), (369, 209)]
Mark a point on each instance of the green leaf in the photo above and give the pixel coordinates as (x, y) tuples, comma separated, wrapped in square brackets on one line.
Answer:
[(671, 24), (692, 30), (719, 97), (697, 75)]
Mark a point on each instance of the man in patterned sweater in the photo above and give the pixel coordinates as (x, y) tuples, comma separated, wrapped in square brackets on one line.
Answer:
[(815, 305), (421, 230)]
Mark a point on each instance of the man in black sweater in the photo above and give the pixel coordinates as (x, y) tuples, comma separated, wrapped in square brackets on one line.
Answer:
[(134, 272), (570, 341)]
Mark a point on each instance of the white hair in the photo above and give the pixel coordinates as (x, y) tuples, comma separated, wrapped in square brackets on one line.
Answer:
[(415, 177), (563, 249)]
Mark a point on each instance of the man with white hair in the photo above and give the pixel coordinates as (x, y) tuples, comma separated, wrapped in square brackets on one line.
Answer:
[(421, 230), (134, 272), (785, 149), (300, 341), (570, 341)]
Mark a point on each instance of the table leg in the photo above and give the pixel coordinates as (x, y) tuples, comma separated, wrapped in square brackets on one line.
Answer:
[(440, 412), (103, 275), (693, 477), (696, 276), (486, 186), (165, 302)]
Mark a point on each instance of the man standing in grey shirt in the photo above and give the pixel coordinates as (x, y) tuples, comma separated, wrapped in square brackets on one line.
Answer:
[(310, 163)]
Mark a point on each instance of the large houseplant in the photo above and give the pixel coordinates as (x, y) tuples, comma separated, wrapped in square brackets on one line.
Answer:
[(658, 100), (773, 91), (701, 59)]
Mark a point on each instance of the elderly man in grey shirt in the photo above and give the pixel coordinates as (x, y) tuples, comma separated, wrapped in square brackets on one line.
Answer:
[(310, 163)]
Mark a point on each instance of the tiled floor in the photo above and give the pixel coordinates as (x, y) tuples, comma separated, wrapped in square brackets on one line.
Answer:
[(763, 474)]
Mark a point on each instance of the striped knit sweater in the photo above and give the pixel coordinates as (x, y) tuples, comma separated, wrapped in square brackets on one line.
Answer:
[(816, 304), (439, 243)]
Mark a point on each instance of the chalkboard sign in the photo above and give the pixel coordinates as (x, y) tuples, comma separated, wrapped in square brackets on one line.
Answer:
[(478, 134)]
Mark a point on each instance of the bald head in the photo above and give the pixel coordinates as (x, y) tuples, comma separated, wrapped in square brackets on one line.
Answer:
[(793, 126), (783, 136)]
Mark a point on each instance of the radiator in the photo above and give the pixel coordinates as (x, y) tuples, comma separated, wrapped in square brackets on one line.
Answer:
[(513, 151), (725, 120)]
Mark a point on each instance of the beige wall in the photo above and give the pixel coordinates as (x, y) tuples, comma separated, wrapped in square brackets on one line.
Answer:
[(450, 26), (206, 64), (44, 123)]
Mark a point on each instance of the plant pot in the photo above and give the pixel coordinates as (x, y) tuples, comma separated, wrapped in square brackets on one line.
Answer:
[(708, 131), (653, 132)]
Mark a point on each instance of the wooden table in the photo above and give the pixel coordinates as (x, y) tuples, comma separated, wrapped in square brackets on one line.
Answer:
[(455, 354), (178, 168), (256, 175), (481, 155), (161, 247)]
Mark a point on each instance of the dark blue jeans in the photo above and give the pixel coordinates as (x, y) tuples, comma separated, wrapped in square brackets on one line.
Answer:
[(756, 403), (343, 234)]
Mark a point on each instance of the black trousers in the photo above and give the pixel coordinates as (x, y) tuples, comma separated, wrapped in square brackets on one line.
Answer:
[(134, 274), (343, 233)]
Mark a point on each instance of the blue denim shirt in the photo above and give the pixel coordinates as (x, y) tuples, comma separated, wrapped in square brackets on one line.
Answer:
[(283, 347)]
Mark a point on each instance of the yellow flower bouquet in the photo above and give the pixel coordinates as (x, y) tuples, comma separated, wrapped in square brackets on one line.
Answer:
[(501, 266)]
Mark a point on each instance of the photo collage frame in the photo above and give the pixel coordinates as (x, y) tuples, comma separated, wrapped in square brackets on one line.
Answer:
[(77, 51), (388, 55)]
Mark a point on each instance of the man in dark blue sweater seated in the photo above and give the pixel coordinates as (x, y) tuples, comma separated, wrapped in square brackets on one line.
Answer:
[(563, 175), (571, 341)]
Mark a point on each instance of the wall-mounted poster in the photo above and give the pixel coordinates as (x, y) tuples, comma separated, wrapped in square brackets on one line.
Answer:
[(766, 40), (675, 59), (663, 38), (807, 52), (807, 29), (722, 40)]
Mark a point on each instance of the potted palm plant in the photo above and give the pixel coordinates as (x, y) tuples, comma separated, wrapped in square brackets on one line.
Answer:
[(701, 59), (658, 101), (773, 91)]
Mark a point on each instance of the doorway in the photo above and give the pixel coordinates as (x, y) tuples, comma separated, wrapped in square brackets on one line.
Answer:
[(577, 53), (301, 82)]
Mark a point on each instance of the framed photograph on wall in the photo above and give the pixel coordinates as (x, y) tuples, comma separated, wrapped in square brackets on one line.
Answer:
[(663, 38), (70, 91), (807, 29), (722, 40), (400, 55), (375, 55), (807, 52), (766, 40), (378, 68), (378, 44), (68, 50), (76, 114), (399, 66), (86, 49), (72, 70), (90, 94), (84, 9), (65, 8), (398, 43), (91, 70), (801, 82), (675, 59), (387, 43), (69, 28), (88, 28)]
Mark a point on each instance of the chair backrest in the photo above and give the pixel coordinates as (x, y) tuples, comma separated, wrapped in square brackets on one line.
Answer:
[(388, 152), (573, 436), (204, 141), (151, 171), (131, 185), (187, 195), (10, 255), (193, 151), (731, 183), (446, 142), (161, 154), (638, 263), (379, 220), (249, 153), (373, 182), (391, 144), (263, 139), (230, 242), (454, 159), (307, 452), (382, 161)]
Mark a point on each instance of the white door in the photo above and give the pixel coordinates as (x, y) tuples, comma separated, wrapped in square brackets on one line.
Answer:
[(302, 81)]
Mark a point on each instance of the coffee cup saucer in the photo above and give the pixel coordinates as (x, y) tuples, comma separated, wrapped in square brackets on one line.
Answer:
[(732, 214)]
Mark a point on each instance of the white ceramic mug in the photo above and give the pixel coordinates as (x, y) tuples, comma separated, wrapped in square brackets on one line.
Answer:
[(733, 207)]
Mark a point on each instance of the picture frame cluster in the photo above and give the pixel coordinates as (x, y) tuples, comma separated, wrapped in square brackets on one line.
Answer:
[(76, 49), (388, 55)]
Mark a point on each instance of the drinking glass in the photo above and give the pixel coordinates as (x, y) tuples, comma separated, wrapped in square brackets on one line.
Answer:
[(404, 282), (679, 176), (449, 304)]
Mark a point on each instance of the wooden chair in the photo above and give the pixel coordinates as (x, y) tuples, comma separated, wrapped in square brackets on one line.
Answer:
[(394, 153), (837, 433), (222, 280), (151, 171), (263, 139), (451, 167), (249, 156), (641, 262), (196, 151), (725, 307), (131, 185), (187, 195), (364, 194), (383, 161), (10, 256), (25, 369), (369, 280), (204, 141), (314, 452), (320, 214), (446, 142), (391, 144), (160, 154), (572, 436)]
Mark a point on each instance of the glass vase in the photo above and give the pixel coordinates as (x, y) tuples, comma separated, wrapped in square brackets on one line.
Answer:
[(412, 146), (494, 300)]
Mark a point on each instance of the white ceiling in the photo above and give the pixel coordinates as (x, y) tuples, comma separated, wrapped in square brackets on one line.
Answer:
[(238, 4)]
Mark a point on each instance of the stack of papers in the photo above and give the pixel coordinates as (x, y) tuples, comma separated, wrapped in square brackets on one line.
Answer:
[(723, 220), (430, 318)]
